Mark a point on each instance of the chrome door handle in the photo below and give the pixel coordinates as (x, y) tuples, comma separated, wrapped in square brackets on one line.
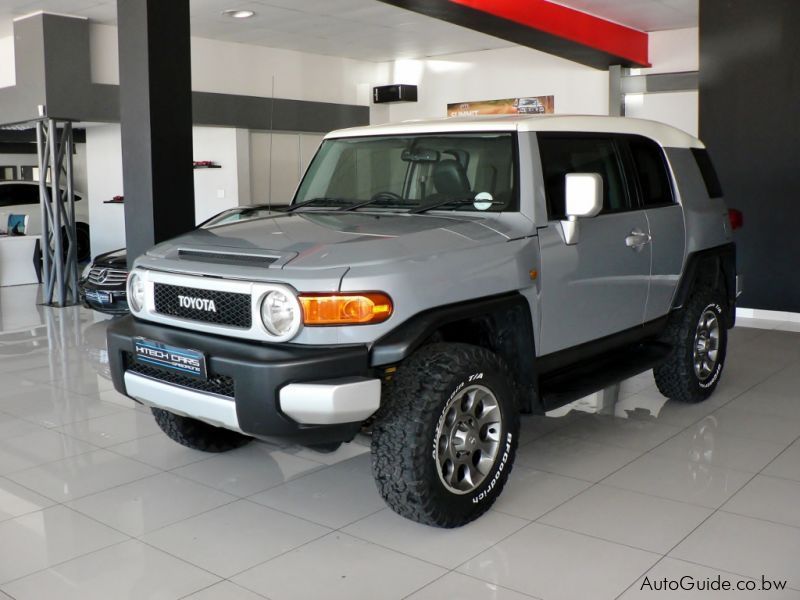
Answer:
[(637, 240)]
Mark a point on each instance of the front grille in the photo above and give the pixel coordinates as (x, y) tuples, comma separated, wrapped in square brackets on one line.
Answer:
[(229, 308), (104, 276), (221, 385)]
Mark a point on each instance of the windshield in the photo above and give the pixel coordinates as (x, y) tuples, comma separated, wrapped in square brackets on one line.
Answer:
[(454, 171)]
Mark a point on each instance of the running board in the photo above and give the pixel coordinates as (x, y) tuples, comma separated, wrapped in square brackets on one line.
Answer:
[(579, 380)]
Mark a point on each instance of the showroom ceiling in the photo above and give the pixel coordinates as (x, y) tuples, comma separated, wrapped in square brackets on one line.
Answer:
[(646, 15), (364, 29)]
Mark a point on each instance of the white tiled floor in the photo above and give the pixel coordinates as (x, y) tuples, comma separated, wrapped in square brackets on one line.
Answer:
[(95, 502)]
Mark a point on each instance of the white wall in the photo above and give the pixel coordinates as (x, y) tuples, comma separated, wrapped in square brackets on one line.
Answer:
[(104, 181), (245, 69), (679, 109), (672, 51), (7, 69), (245, 159), (217, 189), (495, 74), (80, 168), (274, 175)]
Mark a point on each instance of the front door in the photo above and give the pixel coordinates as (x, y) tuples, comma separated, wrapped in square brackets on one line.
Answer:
[(598, 286)]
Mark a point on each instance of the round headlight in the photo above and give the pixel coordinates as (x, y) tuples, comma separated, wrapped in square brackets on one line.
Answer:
[(136, 292), (280, 313)]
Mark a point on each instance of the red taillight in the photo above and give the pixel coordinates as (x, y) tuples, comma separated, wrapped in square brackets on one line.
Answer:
[(736, 218)]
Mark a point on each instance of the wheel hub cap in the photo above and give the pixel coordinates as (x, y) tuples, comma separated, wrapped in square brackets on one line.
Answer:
[(706, 345), (468, 439)]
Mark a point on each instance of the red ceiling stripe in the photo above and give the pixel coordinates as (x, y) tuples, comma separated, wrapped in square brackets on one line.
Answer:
[(570, 24)]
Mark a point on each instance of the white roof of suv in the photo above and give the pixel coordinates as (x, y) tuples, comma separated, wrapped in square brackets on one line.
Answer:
[(665, 135)]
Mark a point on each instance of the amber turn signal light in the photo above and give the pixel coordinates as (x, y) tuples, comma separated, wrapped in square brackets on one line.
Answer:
[(359, 308)]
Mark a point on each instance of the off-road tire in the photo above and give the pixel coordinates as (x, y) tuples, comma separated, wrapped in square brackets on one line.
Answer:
[(196, 434), (404, 444), (676, 377)]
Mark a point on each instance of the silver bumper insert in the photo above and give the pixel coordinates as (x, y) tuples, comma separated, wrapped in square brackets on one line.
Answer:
[(739, 286), (181, 401), (332, 401)]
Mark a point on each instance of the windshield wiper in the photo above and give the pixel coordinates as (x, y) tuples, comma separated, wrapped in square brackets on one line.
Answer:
[(454, 201), (382, 201), (322, 201)]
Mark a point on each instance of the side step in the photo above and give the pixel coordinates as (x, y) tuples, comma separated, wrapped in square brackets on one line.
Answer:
[(579, 380)]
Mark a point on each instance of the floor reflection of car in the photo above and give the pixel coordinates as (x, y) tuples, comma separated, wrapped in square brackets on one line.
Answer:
[(25, 341), (94, 348), (103, 282)]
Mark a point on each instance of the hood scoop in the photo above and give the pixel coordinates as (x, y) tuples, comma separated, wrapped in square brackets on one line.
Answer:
[(225, 258)]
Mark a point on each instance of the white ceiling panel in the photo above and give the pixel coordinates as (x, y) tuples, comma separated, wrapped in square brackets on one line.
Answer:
[(645, 15), (364, 29)]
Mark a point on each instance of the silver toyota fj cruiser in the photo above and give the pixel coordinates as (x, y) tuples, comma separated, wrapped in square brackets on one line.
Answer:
[(430, 282)]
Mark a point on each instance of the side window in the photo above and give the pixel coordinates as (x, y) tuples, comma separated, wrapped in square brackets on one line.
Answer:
[(574, 153), (708, 172), (654, 179), (13, 194), (6, 196)]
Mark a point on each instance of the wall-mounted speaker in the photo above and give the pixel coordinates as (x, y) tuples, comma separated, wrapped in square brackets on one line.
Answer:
[(399, 92)]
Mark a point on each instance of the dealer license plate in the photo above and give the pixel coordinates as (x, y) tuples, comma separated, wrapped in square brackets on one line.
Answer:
[(170, 358), (100, 297)]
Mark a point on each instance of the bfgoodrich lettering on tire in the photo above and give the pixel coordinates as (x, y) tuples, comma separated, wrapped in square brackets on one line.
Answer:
[(444, 441), (699, 340)]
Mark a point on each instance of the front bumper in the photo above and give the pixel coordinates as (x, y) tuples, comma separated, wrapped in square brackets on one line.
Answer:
[(105, 300), (310, 395)]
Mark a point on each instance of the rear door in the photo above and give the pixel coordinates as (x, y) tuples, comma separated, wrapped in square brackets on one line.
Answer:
[(665, 221), (599, 286)]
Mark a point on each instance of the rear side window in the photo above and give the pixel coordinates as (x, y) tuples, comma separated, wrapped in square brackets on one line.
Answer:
[(655, 185), (708, 172), (575, 153)]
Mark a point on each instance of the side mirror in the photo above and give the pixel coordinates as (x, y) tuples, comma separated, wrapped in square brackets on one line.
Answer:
[(583, 198)]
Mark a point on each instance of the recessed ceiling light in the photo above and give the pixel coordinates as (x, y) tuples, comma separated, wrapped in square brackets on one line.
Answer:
[(234, 13)]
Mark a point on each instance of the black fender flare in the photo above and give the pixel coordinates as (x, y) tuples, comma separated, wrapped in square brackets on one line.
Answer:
[(719, 264), (507, 316)]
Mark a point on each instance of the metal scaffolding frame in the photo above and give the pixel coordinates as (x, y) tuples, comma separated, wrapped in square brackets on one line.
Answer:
[(59, 239)]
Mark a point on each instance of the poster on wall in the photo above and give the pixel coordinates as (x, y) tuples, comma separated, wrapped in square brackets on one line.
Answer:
[(534, 105)]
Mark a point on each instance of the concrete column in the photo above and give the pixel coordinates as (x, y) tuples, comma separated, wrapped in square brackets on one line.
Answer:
[(156, 119)]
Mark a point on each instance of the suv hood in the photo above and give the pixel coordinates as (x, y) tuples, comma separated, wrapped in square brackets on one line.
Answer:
[(320, 240)]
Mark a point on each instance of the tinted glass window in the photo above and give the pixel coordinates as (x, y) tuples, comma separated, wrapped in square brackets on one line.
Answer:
[(562, 154), (13, 194), (651, 171), (708, 172)]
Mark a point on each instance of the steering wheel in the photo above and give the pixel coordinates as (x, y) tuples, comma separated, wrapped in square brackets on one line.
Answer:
[(387, 195)]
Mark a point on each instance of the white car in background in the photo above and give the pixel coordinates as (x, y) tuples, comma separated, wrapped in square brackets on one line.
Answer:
[(22, 198)]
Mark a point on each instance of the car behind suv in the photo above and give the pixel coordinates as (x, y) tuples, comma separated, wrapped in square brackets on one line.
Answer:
[(431, 282), (103, 281)]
